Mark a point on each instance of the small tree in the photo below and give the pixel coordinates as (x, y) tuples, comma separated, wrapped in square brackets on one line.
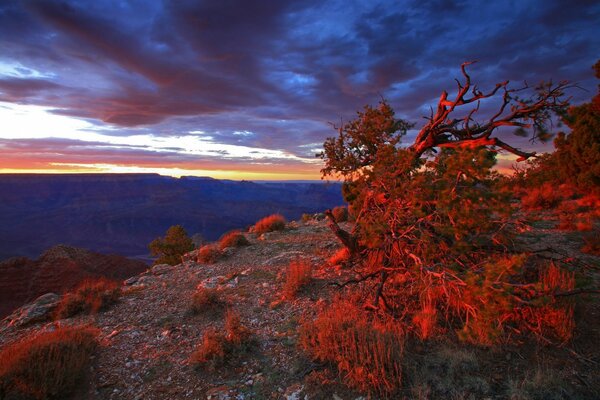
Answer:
[(170, 248), (431, 226)]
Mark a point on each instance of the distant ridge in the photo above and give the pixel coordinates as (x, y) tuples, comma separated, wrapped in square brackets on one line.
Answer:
[(122, 213)]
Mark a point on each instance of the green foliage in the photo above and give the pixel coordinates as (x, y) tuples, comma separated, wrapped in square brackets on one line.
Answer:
[(170, 248), (435, 231), (578, 153)]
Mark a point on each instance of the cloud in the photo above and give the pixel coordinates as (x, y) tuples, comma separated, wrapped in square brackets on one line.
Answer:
[(279, 70)]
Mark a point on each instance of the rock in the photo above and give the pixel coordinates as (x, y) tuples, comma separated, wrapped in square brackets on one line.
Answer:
[(131, 280), (161, 269), (37, 311), (218, 393), (210, 283), (294, 392)]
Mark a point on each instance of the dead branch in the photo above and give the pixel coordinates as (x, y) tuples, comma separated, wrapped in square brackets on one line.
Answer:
[(347, 239), (444, 131)]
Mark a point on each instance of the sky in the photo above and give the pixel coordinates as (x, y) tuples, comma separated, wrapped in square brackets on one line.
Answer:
[(243, 89)]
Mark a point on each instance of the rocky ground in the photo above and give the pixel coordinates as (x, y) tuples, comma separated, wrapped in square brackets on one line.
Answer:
[(148, 337)]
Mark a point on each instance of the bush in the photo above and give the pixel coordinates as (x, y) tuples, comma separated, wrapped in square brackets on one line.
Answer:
[(206, 299), (340, 257), (543, 197), (275, 222), (236, 332), (233, 239), (89, 297), (47, 365), (299, 274), (170, 248), (209, 254), (367, 352), (340, 214), (218, 347), (212, 350)]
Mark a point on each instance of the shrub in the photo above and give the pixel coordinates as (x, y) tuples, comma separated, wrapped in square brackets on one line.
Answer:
[(218, 347), (340, 214), (367, 352), (90, 296), (299, 274), (212, 350), (209, 254), (340, 257), (236, 332), (233, 239), (307, 217), (205, 299), (47, 365), (170, 248), (275, 222), (543, 197)]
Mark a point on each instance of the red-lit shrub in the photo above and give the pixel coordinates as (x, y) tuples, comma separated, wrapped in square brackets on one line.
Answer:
[(546, 196), (236, 332), (47, 365), (206, 299), (367, 352), (340, 214), (275, 222), (217, 347), (90, 296), (209, 254), (339, 257), (211, 351), (233, 239), (299, 274)]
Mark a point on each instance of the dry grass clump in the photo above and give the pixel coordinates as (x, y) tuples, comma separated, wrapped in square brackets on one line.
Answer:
[(340, 214), (367, 352), (206, 299), (209, 254), (48, 365), (543, 197), (218, 347), (90, 296), (299, 274), (340, 257), (233, 239), (275, 222)]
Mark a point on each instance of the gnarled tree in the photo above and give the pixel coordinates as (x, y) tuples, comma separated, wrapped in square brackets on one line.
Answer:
[(432, 228)]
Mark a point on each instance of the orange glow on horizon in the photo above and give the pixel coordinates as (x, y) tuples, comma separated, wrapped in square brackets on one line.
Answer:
[(57, 168)]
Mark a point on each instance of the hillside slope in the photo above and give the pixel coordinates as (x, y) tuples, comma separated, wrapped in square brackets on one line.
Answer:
[(58, 270), (149, 336)]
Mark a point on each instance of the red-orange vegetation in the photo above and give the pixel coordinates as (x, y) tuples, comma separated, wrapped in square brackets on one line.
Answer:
[(339, 257), (212, 349), (236, 332), (544, 197), (233, 239), (275, 222), (90, 296), (48, 365), (368, 352), (217, 347), (299, 274), (340, 214), (209, 254), (206, 299)]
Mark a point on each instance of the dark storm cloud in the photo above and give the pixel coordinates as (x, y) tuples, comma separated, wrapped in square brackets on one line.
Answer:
[(272, 74)]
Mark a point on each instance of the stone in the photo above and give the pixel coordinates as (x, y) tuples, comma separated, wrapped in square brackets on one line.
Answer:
[(37, 311)]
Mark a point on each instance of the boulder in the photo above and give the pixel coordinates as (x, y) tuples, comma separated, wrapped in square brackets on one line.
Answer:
[(37, 311)]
